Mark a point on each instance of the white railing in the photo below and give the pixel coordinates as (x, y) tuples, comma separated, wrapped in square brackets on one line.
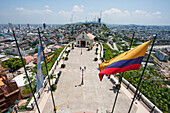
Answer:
[(101, 50), (147, 102)]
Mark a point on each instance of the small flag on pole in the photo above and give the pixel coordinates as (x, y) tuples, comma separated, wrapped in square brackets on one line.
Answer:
[(40, 77), (130, 60)]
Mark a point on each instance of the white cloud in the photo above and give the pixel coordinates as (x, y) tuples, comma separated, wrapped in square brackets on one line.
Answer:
[(46, 6), (144, 14), (157, 13), (159, 17), (77, 8), (116, 12), (65, 13), (140, 12), (126, 12), (48, 10), (20, 9), (35, 11), (82, 6), (112, 11), (148, 15)]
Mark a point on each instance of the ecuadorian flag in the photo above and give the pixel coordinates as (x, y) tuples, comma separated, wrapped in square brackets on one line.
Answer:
[(130, 60)]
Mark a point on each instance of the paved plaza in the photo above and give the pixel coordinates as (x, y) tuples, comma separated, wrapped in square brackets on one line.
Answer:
[(93, 95)]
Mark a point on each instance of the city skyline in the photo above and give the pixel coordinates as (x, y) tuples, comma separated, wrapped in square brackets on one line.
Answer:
[(145, 12)]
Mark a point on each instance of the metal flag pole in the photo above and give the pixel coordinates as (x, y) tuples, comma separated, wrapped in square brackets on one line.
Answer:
[(25, 71), (142, 74), (132, 40), (117, 93), (122, 76), (46, 69)]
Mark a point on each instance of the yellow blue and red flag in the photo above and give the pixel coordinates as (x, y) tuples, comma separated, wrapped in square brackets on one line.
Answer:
[(130, 60)]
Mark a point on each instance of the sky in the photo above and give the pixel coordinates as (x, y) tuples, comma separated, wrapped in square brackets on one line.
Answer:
[(140, 12)]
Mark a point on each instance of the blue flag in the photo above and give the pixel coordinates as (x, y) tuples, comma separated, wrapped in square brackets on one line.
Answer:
[(40, 77)]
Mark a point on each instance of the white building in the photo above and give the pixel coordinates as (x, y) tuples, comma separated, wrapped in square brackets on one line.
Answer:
[(21, 83), (84, 40), (161, 56)]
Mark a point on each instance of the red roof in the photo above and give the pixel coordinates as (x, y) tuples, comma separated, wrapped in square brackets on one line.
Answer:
[(28, 59), (57, 47)]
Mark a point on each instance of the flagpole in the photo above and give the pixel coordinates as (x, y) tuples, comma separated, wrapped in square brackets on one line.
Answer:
[(142, 74), (46, 69), (122, 76), (132, 40), (117, 93), (26, 71)]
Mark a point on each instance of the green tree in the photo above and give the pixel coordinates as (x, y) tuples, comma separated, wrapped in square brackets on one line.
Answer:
[(36, 50), (8, 52), (13, 64)]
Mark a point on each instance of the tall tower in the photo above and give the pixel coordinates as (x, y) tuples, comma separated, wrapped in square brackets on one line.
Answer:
[(44, 25), (10, 25), (28, 25), (99, 19), (71, 19), (86, 20)]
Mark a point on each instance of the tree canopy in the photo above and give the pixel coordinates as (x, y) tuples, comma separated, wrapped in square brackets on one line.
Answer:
[(13, 64)]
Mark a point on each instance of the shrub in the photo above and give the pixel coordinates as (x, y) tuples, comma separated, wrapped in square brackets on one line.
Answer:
[(102, 59), (108, 52), (26, 91), (72, 45), (95, 59), (51, 76), (66, 58), (53, 87), (97, 50), (50, 53), (63, 65), (66, 52)]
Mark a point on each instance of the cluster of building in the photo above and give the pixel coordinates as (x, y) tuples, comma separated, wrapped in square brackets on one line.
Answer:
[(9, 93), (54, 37), (163, 54), (144, 32)]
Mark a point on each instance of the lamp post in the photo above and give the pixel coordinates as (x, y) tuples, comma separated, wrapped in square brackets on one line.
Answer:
[(82, 83), (81, 50)]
